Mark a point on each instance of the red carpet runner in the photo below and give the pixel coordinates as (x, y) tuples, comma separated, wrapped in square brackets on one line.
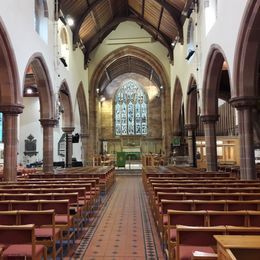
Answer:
[(124, 229)]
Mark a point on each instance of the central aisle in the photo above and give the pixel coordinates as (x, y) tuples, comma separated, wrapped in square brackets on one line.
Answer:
[(125, 228)]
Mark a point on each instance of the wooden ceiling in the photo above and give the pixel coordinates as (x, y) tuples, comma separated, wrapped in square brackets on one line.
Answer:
[(128, 64), (95, 19)]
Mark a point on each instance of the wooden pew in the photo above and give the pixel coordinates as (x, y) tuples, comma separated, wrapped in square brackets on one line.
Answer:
[(19, 240)]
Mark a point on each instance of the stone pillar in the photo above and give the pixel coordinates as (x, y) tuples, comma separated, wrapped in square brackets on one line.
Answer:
[(192, 144), (47, 125), (84, 142), (244, 106), (69, 146), (10, 140), (210, 140)]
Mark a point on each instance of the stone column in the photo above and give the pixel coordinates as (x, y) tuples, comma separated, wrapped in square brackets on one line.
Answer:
[(210, 140), (84, 142), (69, 146), (192, 144), (47, 125), (10, 114), (244, 106)]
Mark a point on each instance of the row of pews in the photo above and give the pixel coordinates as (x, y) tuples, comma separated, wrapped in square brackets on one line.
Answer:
[(43, 214), (193, 209)]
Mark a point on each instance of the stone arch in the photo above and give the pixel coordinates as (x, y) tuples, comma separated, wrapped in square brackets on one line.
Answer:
[(191, 104), (10, 103), (155, 63), (246, 65), (83, 110), (84, 123), (245, 96), (66, 105), (44, 85), (10, 94), (177, 101), (211, 82), (151, 59), (47, 112)]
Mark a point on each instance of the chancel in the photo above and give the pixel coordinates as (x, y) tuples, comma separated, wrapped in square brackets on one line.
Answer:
[(129, 129)]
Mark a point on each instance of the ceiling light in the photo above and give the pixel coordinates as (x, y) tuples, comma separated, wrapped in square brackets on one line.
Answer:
[(70, 21), (102, 98), (29, 91)]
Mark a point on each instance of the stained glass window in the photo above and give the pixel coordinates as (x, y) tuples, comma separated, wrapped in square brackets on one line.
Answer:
[(131, 109)]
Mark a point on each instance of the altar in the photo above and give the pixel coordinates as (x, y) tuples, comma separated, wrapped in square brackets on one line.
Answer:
[(128, 154)]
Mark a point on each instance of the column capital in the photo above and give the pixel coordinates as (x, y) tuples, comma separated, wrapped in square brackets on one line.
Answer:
[(68, 129), (14, 109), (190, 126), (244, 102), (209, 118), (48, 122)]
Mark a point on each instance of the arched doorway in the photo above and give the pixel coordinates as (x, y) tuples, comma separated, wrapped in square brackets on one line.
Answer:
[(37, 74), (10, 104), (246, 94)]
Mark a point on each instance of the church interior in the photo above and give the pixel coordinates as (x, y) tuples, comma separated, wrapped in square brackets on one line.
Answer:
[(130, 129)]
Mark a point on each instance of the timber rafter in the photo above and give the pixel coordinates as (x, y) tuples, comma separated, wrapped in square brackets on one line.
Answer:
[(93, 42)]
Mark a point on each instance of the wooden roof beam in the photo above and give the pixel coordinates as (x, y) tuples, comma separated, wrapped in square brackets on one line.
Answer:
[(81, 19), (143, 6), (175, 14), (92, 43), (185, 13), (108, 75)]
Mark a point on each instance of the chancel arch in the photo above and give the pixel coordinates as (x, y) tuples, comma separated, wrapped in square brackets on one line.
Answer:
[(136, 63)]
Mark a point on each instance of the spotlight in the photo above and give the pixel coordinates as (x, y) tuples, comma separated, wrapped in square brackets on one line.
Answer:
[(70, 21)]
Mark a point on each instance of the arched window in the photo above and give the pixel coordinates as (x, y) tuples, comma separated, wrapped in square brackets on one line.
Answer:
[(64, 47), (211, 7), (131, 103), (41, 18), (190, 39)]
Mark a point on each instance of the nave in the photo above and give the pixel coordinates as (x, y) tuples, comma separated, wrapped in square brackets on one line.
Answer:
[(124, 228)]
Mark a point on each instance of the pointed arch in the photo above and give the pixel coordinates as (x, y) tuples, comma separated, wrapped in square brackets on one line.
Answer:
[(44, 85), (10, 93), (247, 57), (66, 104), (191, 104), (211, 82), (177, 101), (83, 110)]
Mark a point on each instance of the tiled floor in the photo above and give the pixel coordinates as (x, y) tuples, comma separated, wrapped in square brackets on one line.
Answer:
[(126, 229)]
